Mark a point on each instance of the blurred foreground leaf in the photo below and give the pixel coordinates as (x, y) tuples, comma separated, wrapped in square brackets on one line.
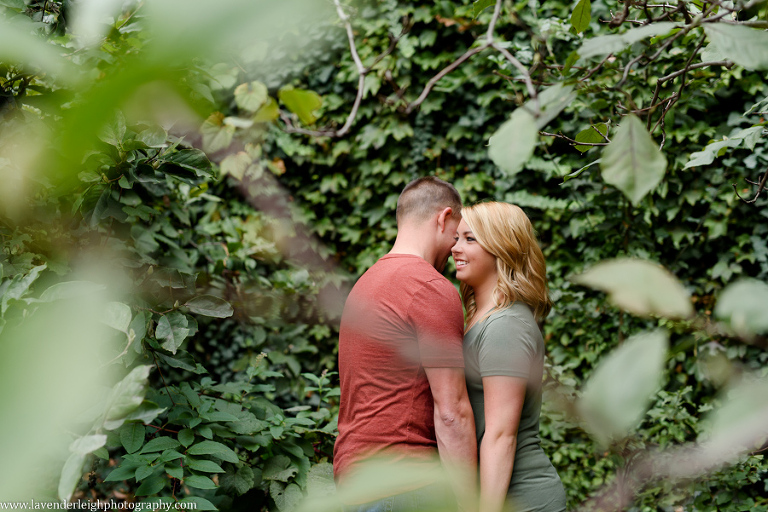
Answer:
[(743, 305), (640, 287), (617, 394)]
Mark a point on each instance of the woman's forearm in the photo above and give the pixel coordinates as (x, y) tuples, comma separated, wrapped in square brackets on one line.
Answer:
[(497, 458)]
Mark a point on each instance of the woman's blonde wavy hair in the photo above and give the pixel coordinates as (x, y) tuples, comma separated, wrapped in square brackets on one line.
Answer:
[(505, 231)]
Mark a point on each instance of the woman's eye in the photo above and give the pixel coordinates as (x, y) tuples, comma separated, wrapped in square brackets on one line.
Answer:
[(470, 239)]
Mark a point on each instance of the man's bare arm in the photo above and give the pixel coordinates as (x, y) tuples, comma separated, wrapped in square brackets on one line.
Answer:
[(455, 430)]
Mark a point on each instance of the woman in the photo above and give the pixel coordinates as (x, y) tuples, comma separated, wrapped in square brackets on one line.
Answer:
[(504, 290)]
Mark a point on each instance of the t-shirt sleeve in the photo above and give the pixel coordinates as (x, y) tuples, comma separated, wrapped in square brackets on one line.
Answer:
[(508, 347), (438, 320)]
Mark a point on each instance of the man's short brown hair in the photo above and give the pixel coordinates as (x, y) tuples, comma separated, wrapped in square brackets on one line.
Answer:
[(425, 196)]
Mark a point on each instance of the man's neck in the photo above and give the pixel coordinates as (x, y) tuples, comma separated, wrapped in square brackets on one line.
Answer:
[(413, 241)]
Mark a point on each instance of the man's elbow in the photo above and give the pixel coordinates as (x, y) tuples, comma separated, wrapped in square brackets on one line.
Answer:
[(457, 414)]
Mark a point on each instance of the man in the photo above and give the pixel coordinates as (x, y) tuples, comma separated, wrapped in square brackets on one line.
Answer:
[(401, 366)]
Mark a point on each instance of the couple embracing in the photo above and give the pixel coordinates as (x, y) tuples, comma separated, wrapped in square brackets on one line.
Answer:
[(419, 376)]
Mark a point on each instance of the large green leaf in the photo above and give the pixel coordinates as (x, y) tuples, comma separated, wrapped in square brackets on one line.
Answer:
[(513, 143), (118, 316), (632, 162), (479, 6), (279, 468), (740, 424), (591, 135), (206, 466), (616, 395), (172, 329), (551, 101), (214, 448), (640, 287), (132, 436), (615, 43), (71, 475), (743, 305), (301, 102), (745, 46), (210, 305), (70, 289), (287, 497), (581, 16), (88, 444), (160, 444), (126, 396)]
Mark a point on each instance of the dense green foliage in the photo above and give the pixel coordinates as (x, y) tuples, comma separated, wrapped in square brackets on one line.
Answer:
[(230, 246)]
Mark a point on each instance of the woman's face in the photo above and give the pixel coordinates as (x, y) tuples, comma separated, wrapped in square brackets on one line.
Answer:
[(474, 265)]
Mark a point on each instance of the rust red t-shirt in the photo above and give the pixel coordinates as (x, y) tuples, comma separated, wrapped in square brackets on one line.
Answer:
[(401, 316)]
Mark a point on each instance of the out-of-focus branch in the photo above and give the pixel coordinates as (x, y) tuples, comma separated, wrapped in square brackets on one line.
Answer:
[(489, 42), (577, 143), (362, 72), (760, 187)]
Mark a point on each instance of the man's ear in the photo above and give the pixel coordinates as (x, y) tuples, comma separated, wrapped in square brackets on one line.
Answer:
[(443, 217)]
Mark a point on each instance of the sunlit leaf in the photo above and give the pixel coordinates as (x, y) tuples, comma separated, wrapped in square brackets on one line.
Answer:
[(743, 305), (301, 102), (581, 16), (617, 394), (640, 287), (513, 143), (591, 135), (88, 444), (126, 396), (551, 101), (172, 329), (745, 46), (70, 289), (632, 162)]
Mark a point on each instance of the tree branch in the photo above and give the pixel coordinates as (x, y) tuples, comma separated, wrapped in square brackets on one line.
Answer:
[(362, 72), (760, 188)]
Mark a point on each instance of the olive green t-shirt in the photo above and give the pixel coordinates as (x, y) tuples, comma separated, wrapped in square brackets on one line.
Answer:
[(509, 343)]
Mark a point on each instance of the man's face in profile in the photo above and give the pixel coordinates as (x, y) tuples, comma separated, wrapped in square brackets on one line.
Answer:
[(447, 241)]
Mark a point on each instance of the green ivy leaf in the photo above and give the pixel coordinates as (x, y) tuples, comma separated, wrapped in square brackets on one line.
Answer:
[(206, 466), (114, 132), (320, 480), (513, 143), (186, 437), (301, 102), (251, 96), (742, 304), (592, 136), (209, 305), (616, 395), (581, 16), (286, 497), (151, 486), (159, 444), (279, 468), (172, 330), (745, 46), (238, 478), (218, 450), (200, 482), (640, 287), (480, 5), (632, 162), (132, 436)]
